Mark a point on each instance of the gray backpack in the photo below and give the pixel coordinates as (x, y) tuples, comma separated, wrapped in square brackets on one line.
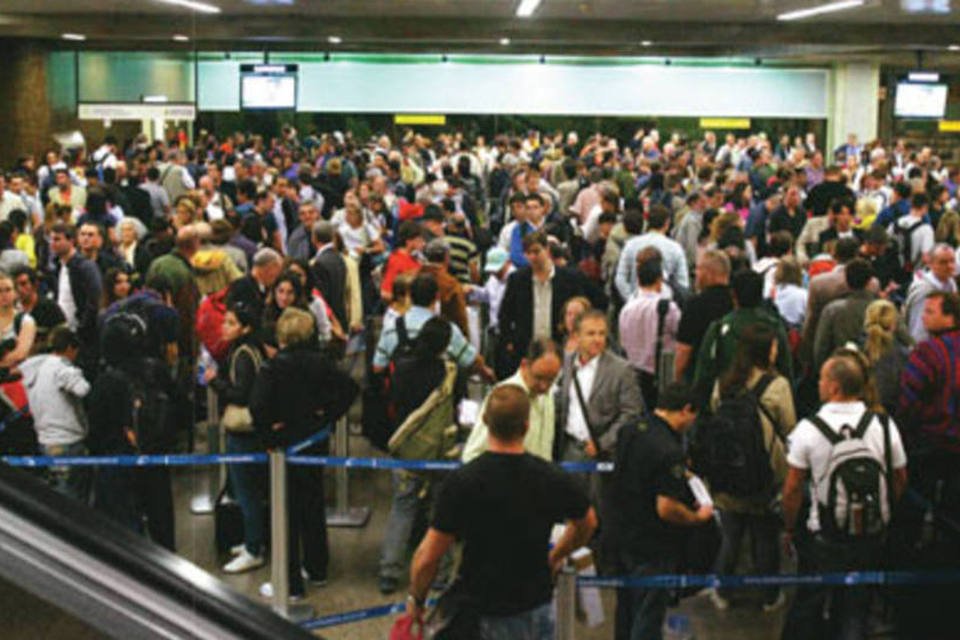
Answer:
[(854, 493)]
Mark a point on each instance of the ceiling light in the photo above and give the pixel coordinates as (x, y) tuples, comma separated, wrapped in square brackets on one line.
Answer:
[(527, 7), (505, 41), (954, 47), (203, 7), (334, 39), (646, 43), (830, 7), (79, 37), (179, 37)]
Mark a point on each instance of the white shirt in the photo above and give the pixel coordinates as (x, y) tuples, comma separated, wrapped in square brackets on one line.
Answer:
[(576, 422), (810, 450), (359, 237), (921, 238), (65, 297)]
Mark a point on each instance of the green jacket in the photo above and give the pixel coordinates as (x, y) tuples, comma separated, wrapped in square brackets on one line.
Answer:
[(720, 344)]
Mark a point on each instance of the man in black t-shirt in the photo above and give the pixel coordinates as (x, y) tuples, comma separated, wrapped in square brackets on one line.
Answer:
[(711, 303), (653, 508), (502, 506)]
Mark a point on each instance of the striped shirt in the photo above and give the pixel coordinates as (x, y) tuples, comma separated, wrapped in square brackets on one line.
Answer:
[(462, 252), (930, 391)]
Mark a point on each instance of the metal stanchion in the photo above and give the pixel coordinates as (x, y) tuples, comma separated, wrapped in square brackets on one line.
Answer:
[(279, 553), (566, 599), (342, 514), (203, 503)]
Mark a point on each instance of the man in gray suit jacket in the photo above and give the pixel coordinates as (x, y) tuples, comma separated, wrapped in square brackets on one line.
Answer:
[(608, 388)]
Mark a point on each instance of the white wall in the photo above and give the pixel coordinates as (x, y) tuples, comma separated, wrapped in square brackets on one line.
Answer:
[(855, 107)]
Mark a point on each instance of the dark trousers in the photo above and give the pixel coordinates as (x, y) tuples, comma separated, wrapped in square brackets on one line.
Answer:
[(640, 612), (140, 499), (821, 613), (764, 532), (648, 389), (307, 530)]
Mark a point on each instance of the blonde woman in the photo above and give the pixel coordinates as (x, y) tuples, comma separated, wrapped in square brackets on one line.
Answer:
[(17, 330), (887, 349), (948, 230)]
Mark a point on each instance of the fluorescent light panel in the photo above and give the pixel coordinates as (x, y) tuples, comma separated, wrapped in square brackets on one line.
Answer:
[(78, 37), (954, 47), (505, 41), (527, 7), (923, 76), (179, 37), (646, 43), (334, 39), (830, 7), (202, 7)]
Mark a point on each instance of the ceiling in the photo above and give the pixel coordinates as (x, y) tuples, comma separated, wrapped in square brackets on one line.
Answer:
[(891, 31)]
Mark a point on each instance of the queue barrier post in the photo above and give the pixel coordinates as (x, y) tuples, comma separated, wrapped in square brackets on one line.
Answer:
[(342, 514), (566, 601), (204, 502), (279, 550)]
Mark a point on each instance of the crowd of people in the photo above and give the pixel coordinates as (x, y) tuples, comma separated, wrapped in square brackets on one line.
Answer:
[(777, 320)]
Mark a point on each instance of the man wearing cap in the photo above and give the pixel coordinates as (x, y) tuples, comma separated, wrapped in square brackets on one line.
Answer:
[(453, 301)]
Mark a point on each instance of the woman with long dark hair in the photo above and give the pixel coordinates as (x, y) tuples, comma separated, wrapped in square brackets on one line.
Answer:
[(754, 371)]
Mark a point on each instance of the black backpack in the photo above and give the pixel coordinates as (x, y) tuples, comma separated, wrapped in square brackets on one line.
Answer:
[(152, 407), (905, 236), (728, 447), (378, 420)]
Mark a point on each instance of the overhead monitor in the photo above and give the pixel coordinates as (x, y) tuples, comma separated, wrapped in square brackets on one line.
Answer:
[(920, 100), (268, 86)]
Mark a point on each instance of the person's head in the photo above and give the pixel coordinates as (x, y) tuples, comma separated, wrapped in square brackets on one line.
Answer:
[(846, 249), (879, 325), (188, 241), (535, 250), (410, 236), (64, 342), (267, 265), (591, 329), (841, 211), (841, 379), (572, 309), (633, 221), (62, 178), (424, 291), (26, 281), (780, 244), (941, 312), (535, 207), (62, 238), (308, 215), (287, 290), (323, 232), (659, 218), (518, 206), (433, 219), (756, 349), (239, 320), (650, 273), (433, 339), (919, 204), (507, 414), (153, 174), (712, 269), (858, 273), (788, 272), (116, 284), (943, 262), (89, 237), (541, 365), (437, 252), (675, 406), (747, 286), (8, 293), (128, 231), (295, 327)]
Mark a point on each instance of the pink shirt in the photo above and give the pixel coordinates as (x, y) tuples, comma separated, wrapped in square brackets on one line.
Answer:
[(638, 329)]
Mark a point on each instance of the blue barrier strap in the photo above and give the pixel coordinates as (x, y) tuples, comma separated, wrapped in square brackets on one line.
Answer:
[(854, 578), (171, 460), (358, 615), (316, 438), (375, 463)]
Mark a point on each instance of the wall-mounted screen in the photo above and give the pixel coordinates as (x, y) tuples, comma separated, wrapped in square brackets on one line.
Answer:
[(920, 100), (268, 86)]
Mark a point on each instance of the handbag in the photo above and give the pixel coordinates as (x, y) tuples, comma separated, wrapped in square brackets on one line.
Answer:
[(407, 627), (236, 418)]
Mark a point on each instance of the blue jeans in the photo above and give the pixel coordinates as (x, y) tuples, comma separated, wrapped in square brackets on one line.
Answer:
[(247, 484), (535, 624), (403, 515), (73, 482), (640, 612)]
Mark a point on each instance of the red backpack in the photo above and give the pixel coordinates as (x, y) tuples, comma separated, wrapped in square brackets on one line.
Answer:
[(209, 327)]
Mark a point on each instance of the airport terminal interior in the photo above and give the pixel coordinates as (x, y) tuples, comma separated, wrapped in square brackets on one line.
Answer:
[(480, 319)]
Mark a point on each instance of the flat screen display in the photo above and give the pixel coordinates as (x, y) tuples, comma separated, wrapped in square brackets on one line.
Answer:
[(920, 100), (268, 91)]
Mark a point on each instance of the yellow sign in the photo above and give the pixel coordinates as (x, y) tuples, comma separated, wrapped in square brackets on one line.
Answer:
[(724, 123), (950, 126), (415, 118)]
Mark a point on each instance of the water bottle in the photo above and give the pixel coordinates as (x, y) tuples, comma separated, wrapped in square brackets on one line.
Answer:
[(677, 627)]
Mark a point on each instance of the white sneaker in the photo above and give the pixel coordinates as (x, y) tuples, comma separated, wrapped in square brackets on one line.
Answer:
[(244, 561), (236, 549), (266, 591), (776, 604), (719, 602)]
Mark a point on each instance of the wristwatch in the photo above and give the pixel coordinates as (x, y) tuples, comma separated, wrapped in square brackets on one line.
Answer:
[(419, 602)]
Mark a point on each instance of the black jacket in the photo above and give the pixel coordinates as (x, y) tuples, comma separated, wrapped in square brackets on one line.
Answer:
[(516, 310), (301, 389), (87, 288), (235, 380), (330, 275)]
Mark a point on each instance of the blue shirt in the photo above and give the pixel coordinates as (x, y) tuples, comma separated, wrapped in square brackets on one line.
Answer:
[(674, 262), (459, 349), (516, 244)]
